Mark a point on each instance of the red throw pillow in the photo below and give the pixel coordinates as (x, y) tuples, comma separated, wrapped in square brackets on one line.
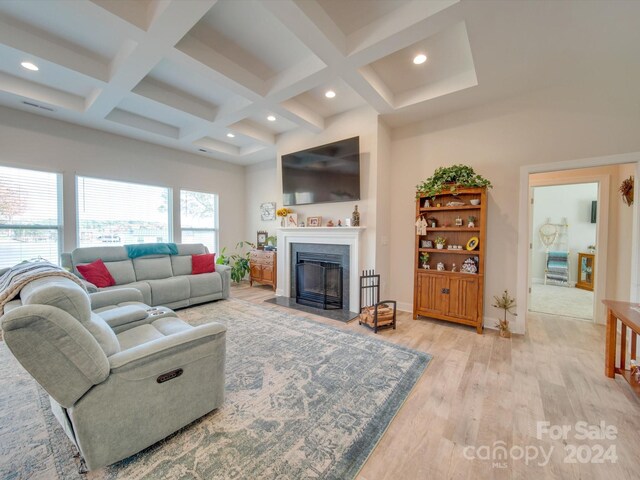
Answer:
[(205, 263), (97, 273)]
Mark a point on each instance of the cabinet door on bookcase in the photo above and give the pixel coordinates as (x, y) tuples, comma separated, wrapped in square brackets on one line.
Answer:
[(430, 296), (463, 297)]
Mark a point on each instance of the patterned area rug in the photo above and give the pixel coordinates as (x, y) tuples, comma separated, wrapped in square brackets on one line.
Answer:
[(303, 400)]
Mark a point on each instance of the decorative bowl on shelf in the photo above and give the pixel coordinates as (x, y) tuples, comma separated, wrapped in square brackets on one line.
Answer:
[(475, 201)]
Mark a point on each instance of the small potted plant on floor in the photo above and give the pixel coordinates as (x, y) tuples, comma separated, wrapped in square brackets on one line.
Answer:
[(424, 260), (506, 303), (440, 242)]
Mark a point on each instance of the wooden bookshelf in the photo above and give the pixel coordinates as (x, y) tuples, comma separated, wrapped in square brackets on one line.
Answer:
[(446, 295)]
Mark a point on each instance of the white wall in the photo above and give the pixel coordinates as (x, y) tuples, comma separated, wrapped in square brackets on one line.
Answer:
[(261, 185), (555, 203), (33, 141), (552, 125)]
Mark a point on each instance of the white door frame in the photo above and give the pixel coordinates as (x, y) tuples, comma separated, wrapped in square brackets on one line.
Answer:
[(523, 224), (602, 229)]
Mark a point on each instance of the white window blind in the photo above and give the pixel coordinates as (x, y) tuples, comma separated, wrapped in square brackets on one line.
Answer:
[(119, 213), (30, 216), (199, 218)]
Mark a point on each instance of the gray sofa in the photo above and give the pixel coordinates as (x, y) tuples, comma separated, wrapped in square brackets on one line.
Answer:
[(114, 394), (162, 279)]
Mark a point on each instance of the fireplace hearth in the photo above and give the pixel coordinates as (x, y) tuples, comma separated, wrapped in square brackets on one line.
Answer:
[(319, 280)]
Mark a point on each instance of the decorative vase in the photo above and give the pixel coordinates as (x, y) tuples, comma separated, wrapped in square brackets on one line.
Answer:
[(282, 222), (439, 246), (355, 218)]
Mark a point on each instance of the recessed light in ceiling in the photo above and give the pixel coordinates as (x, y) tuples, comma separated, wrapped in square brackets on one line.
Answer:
[(420, 59), (230, 135), (330, 94), (271, 118), (30, 66)]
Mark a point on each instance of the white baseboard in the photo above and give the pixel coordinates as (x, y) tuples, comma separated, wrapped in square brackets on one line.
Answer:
[(405, 307)]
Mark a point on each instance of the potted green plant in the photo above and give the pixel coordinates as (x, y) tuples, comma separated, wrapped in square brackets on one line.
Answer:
[(440, 242), (471, 221), (449, 178), (424, 260), (238, 261), (506, 303)]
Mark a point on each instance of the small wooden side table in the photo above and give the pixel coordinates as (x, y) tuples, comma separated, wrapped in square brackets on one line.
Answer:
[(264, 267), (629, 316)]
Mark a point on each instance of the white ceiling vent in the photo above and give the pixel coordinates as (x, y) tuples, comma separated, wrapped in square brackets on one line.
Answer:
[(35, 105)]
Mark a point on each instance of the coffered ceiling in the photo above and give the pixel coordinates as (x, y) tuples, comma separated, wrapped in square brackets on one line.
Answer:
[(225, 78)]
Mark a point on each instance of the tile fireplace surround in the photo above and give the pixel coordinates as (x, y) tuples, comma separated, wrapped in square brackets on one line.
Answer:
[(349, 236)]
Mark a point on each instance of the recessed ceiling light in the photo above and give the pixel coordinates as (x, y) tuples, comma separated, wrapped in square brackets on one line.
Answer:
[(30, 66), (330, 94), (271, 118), (420, 59), (230, 135)]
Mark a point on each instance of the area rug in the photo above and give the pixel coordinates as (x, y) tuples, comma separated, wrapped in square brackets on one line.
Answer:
[(561, 300), (303, 400)]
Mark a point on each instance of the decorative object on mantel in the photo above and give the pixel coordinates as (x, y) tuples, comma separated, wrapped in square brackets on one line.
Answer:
[(339, 223), (449, 178), (330, 223), (314, 221), (262, 239), (440, 242), (282, 213), (268, 211), (506, 303), (626, 189), (292, 220), (301, 224), (355, 217), (471, 221), (347, 222)]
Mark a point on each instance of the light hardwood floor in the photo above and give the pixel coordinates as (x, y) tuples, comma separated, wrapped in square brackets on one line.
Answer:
[(482, 389)]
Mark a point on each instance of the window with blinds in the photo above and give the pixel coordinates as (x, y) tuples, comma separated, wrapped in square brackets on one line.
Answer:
[(199, 218), (30, 216), (119, 213)]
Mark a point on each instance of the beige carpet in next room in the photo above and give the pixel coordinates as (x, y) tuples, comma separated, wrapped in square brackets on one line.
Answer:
[(559, 300)]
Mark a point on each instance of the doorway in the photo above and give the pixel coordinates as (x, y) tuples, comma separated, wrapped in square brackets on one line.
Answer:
[(563, 249)]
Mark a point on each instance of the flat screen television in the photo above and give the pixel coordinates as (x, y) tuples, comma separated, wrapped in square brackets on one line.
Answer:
[(324, 174)]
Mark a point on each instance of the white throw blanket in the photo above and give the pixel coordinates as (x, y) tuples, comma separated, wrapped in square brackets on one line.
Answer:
[(17, 277)]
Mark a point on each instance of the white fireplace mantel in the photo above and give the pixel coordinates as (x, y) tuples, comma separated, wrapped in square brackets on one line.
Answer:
[(326, 235)]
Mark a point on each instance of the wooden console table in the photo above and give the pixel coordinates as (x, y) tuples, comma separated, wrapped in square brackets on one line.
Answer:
[(629, 319)]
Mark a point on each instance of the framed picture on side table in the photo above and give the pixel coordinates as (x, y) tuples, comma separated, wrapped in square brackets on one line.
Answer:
[(262, 239), (314, 221)]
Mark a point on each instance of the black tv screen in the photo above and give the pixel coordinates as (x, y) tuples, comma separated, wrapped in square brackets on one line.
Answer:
[(328, 173)]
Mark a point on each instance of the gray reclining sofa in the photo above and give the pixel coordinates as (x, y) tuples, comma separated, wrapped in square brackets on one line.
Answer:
[(114, 393), (162, 279)]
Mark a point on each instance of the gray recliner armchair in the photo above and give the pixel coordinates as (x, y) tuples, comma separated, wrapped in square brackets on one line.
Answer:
[(113, 394)]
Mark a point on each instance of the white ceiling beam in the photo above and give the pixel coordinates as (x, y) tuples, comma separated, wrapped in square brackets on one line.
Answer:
[(45, 47), (253, 131), (298, 113), (143, 123), (40, 93), (171, 25), (234, 76), (180, 101)]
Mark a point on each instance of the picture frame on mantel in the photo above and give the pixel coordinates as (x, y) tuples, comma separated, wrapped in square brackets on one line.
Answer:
[(314, 221), (268, 211), (292, 220)]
